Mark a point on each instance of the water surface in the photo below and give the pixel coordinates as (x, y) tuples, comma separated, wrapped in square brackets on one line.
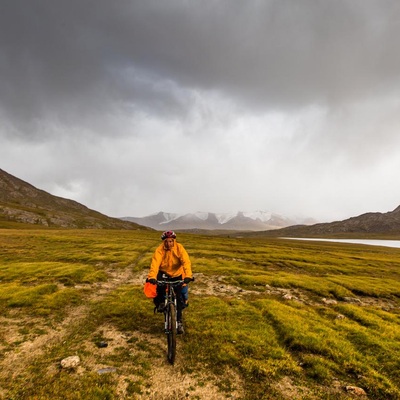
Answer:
[(369, 242)]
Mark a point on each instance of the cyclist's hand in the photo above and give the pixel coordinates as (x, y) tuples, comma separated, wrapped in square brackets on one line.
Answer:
[(187, 280), (152, 281)]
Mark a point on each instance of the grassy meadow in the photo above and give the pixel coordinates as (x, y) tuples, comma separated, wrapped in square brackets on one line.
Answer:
[(268, 319)]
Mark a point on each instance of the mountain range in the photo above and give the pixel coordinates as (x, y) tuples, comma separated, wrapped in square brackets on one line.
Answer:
[(241, 221), (22, 202)]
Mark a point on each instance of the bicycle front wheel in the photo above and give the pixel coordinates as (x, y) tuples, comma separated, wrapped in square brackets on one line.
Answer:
[(171, 333)]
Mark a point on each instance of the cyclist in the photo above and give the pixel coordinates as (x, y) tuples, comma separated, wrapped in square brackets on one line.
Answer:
[(171, 260)]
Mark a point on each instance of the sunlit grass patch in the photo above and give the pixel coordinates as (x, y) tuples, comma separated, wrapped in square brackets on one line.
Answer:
[(324, 348), (369, 286), (234, 334), (75, 246), (31, 272), (374, 337), (58, 300), (302, 329), (19, 296), (40, 299), (321, 287), (318, 368), (129, 310), (372, 318)]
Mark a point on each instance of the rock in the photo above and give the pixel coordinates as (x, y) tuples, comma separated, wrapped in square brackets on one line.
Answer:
[(340, 316), (106, 370), (287, 296), (336, 383), (329, 301), (356, 390), (71, 362), (351, 299)]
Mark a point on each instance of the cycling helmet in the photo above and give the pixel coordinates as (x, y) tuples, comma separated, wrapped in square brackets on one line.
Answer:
[(168, 234)]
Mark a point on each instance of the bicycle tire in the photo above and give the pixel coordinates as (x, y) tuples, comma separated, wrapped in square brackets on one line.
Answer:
[(171, 335)]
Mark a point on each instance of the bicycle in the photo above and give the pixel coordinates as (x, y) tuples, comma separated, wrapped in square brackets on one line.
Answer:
[(170, 314)]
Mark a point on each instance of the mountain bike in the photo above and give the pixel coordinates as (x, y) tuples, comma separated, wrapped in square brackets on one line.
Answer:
[(170, 314)]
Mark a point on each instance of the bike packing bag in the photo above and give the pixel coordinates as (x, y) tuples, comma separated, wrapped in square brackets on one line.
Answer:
[(150, 290)]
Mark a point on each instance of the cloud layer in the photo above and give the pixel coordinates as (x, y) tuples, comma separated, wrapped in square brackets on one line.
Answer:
[(132, 107)]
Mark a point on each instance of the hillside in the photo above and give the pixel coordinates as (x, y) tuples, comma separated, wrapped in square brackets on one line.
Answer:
[(21, 202), (370, 224)]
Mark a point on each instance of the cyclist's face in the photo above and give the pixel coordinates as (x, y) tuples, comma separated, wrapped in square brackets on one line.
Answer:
[(169, 243)]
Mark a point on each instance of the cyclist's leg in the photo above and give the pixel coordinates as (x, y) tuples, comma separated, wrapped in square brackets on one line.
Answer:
[(185, 295), (180, 302)]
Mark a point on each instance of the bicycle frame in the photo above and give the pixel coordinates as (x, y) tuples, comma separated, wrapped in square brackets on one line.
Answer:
[(170, 315)]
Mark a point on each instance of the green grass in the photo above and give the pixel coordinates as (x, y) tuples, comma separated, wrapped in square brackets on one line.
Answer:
[(61, 284)]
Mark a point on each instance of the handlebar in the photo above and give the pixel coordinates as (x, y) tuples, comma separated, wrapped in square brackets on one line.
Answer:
[(169, 281), (173, 283)]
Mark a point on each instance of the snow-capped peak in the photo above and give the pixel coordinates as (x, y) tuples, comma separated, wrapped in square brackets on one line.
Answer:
[(225, 217), (170, 217), (263, 216), (201, 215)]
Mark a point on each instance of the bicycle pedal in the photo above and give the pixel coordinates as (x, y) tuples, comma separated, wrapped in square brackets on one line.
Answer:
[(180, 329), (160, 308)]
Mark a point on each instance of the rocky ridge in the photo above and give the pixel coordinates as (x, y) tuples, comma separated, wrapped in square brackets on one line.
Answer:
[(372, 223), (22, 202)]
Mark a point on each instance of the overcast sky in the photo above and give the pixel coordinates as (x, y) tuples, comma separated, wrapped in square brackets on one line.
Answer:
[(134, 107)]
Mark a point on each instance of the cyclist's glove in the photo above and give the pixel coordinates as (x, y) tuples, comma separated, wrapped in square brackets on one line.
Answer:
[(187, 280), (152, 281)]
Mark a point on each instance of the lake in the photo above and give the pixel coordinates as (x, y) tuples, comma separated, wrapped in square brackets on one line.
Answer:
[(369, 242)]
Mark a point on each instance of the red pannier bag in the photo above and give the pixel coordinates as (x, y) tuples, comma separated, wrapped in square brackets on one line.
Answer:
[(150, 290)]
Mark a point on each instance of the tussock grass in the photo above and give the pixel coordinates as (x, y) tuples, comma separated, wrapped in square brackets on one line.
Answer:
[(66, 273), (369, 286), (226, 333), (76, 288)]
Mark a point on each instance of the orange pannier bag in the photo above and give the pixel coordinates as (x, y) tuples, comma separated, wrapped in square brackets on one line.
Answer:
[(150, 290)]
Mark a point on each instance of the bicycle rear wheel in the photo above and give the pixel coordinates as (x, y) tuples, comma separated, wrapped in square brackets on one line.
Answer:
[(171, 334)]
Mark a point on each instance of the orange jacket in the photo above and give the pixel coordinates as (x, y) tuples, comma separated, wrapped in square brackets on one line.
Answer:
[(174, 262)]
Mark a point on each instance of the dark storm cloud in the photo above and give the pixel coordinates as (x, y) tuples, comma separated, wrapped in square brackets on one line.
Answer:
[(76, 59)]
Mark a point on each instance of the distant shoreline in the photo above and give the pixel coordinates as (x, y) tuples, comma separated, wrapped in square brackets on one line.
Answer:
[(368, 242)]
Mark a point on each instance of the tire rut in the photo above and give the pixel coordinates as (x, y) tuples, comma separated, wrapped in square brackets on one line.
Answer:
[(24, 351)]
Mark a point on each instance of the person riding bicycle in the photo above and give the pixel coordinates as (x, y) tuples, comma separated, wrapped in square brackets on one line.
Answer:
[(171, 260)]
